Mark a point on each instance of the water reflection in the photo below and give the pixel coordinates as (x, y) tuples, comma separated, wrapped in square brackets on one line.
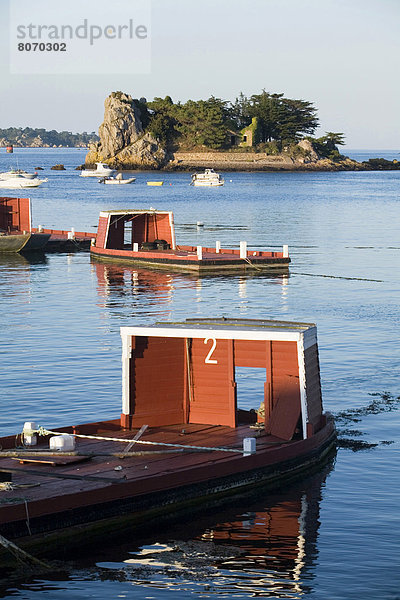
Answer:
[(12, 260), (127, 281), (267, 548), (15, 276), (126, 284)]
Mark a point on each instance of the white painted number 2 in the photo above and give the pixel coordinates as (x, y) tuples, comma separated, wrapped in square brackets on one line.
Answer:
[(208, 360)]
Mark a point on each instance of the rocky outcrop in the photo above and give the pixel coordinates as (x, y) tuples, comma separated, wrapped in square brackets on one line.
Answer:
[(310, 155), (123, 143)]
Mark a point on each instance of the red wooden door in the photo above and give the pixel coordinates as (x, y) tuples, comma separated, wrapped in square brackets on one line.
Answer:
[(212, 393), (157, 381)]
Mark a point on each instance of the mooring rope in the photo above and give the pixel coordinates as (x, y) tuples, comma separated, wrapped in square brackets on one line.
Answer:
[(44, 431), (252, 264), (337, 277)]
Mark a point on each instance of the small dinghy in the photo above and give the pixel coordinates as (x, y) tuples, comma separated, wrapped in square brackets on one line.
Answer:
[(118, 179)]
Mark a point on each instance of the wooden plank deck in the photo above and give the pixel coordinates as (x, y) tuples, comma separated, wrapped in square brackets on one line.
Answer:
[(45, 498), (150, 460)]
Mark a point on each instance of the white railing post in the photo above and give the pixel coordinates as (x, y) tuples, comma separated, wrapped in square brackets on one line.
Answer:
[(243, 249), (285, 251), (218, 247), (135, 247), (200, 252)]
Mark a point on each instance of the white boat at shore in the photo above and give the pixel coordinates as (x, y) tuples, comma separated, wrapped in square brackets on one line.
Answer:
[(118, 180), (21, 182), (207, 179), (101, 170)]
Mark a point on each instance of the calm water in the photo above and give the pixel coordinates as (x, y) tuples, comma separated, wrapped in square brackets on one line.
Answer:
[(334, 535)]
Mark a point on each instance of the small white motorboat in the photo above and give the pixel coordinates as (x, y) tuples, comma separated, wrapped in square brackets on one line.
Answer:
[(117, 180), (101, 170), (17, 173), (207, 179), (20, 182)]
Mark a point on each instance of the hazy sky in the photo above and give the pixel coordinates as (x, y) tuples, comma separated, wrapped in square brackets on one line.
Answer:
[(341, 55)]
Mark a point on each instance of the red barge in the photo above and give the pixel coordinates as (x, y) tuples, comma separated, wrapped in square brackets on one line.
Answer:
[(147, 238), (16, 233), (180, 439)]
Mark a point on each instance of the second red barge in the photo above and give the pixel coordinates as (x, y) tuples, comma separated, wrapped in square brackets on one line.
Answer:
[(147, 237)]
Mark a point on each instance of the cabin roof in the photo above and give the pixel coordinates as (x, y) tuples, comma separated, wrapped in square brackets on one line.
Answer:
[(133, 211), (229, 328)]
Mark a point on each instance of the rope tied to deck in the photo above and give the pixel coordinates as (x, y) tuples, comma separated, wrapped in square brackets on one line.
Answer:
[(43, 431), (252, 264)]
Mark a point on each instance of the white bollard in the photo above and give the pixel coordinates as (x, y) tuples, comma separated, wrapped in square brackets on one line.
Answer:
[(218, 247), (249, 446), (71, 234), (200, 252), (285, 251), (136, 247), (29, 433), (40, 228), (93, 242), (243, 249)]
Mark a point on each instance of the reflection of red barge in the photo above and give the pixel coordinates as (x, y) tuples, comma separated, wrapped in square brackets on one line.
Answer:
[(181, 437), (147, 237)]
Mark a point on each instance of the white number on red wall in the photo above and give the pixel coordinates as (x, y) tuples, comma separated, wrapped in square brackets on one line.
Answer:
[(208, 360)]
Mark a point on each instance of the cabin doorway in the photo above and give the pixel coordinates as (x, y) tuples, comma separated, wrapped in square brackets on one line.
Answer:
[(128, 235), (250, 389)]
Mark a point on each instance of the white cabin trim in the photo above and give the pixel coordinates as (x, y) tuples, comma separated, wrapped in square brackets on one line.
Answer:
[(214, 332), (126, 357), (302, 385), (30, 215), (172, 227)]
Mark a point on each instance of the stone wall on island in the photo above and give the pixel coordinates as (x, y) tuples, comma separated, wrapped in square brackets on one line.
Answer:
[(256, 161)]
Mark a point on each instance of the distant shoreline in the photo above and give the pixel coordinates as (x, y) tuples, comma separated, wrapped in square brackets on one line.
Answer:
[(250, 162)]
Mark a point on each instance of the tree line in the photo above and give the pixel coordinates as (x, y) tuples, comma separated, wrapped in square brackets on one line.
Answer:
[(28, 136), (275, 120)]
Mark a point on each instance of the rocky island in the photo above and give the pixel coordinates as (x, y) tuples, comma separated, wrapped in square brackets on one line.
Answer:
[(137, 134)]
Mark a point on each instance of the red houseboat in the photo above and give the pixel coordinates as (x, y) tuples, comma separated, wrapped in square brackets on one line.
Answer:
[(147, 237), (181, 438)]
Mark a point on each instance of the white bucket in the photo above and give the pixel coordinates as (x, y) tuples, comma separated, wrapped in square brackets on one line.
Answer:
[(64, 442)]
